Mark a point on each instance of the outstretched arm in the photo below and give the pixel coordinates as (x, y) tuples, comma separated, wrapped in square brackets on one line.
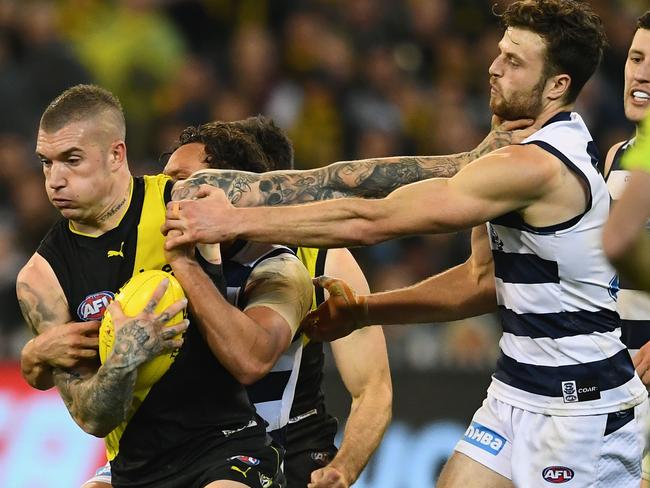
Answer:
[(99, 399), (362, 361), (505, 180), (367, 178), (464, 291)]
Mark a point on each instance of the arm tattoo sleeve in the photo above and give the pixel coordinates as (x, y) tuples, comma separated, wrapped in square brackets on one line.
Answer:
[(368, 178), (99, 403), (36, 310)]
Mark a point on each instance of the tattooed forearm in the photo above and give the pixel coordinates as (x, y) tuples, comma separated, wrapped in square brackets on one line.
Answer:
[(496, 139), (101, 402), (369, 178), (98, 404), (36, 309), (234, 183)]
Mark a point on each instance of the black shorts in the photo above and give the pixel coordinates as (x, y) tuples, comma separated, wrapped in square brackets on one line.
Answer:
[(310, 446), (242, 459), (299, 465)]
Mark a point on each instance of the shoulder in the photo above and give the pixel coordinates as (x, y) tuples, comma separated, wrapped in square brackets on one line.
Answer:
[(525, 167), (37, 273), (40, 295), (283, 270)]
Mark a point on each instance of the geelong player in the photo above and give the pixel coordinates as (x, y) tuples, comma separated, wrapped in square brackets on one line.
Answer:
[(565, 398)]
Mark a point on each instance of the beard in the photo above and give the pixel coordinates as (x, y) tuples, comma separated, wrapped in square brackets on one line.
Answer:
[(520, 105)]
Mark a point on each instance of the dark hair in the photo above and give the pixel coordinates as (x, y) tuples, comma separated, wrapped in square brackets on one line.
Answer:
[(274, 142), (81, 102), (255, 144), (574, 35), (643, 22)]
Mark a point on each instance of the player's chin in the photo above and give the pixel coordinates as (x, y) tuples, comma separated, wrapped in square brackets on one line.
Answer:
[(634, 113), (69, 213)]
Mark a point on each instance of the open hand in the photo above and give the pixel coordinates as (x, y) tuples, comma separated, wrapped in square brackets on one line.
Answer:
[(341, 314), (504, 133), (145, 336)]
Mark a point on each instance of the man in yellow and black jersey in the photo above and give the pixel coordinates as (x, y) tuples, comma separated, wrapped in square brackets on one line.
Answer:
[(195, 427), (257, 145)]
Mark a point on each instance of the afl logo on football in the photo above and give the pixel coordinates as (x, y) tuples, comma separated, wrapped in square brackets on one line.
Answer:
[(93, 306), (557, 474)]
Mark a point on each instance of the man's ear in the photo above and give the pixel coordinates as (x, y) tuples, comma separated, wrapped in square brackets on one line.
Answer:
[(558, 86), (118, 155)]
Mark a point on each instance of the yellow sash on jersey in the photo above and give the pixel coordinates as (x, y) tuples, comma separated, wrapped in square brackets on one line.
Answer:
[(309, 257), (149, 254)]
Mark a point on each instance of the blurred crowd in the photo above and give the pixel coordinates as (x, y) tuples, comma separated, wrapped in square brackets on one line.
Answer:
[(347, 79)]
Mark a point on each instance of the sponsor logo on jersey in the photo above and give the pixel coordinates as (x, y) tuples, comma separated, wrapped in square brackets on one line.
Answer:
[(557, 474), (93, 306), (485, 438), (113, 254), (239, 470), (251, 461), (580, 391)]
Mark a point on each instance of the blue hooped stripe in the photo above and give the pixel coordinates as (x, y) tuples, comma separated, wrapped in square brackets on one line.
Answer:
[(524, 268), (547, 380), (557, 325)]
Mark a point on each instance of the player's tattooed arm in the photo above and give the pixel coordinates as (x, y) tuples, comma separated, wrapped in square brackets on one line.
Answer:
[(367, 178), (56, 341), (100, 402), (98, 399)]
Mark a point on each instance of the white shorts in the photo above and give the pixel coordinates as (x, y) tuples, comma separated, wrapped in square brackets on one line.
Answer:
[(102, 475), (536, 450)]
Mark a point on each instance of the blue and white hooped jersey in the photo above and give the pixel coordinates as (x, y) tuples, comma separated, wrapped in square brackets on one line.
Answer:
[(561, 352), (273, 394), (632, 305)]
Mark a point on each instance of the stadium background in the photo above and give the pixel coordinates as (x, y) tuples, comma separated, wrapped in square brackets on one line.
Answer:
[(347, 79)]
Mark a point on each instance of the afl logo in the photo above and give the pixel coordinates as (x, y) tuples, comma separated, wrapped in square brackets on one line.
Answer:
[(93, 306), (557, 474)]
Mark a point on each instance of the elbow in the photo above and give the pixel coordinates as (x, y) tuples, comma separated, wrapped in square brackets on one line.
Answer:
[(35, 381), (252, 372), (92, 427), (366, 232), (97, 432)]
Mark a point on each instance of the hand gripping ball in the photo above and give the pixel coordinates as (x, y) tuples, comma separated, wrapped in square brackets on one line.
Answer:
[(134, 296)]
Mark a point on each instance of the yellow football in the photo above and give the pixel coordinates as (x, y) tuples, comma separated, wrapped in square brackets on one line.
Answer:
[(134, 296)]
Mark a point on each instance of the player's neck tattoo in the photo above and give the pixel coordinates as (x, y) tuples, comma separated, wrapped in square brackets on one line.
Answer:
[(115, 208)]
